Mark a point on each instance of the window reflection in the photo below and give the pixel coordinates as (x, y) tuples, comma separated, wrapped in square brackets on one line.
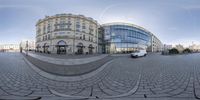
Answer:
[(125, 39)]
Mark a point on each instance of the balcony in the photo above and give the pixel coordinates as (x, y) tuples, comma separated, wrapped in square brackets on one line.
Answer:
[(62, 37), (63, 29), (58, 24)]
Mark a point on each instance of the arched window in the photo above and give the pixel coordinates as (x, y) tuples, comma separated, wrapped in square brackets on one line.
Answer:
[(61, 43), (80, 44), (45, 48), (80, 48), (37, 48), (90, 47), (61, 47)]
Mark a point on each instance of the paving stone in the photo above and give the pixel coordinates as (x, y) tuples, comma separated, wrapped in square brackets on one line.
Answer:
[(161, 76)]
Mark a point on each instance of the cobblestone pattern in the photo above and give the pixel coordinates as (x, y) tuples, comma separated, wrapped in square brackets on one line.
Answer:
[(174, 77), (69, 70), (58, 61)]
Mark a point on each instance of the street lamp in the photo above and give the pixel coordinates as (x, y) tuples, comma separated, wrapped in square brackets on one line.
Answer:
[(27, 48)]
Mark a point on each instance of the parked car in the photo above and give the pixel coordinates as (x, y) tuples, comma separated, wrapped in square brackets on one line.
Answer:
[(139, 53)]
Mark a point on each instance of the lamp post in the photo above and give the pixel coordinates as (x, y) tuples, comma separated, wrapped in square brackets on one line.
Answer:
[(27, 48), (20, 47), (74, 36)]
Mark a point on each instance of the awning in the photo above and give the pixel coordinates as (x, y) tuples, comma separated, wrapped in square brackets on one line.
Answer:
[(61, 45), (46, 46), (38, 47), (80, 46), (91, 47)]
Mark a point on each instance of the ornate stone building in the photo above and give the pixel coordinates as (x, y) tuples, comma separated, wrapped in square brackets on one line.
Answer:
[(67, 34)]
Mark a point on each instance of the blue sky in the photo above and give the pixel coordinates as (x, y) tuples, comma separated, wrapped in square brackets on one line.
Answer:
[(172, 21)]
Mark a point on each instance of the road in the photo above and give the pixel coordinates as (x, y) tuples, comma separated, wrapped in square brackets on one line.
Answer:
[(153, 77)]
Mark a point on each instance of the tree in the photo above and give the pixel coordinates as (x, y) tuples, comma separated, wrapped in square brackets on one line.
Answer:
[(173, 51), (187, 50)]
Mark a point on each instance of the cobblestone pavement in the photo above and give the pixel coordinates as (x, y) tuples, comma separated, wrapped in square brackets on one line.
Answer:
[(65, 56), (68, 70), (67, 61), (154, 77)]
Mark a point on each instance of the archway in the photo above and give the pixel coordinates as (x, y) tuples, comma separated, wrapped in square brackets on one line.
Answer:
[(45, 48), (80, 48), (61, 47), (37, 48), (90, 47)]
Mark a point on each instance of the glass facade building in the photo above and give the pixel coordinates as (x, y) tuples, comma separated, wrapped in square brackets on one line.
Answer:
[(125, 38)]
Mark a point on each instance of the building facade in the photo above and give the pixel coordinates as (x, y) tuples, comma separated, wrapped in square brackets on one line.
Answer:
[(101, 42), (156, 44), (9, 48), (125, 38), (67, 34), (29, 46), (179, 47), (194, 47), (167, 47)]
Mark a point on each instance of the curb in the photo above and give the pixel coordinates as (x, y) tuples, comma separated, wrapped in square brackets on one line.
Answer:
[(66, 78), (59, 61)]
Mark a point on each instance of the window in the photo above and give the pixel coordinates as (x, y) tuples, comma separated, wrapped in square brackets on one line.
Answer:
[(61, 32), (45, 37), (83, 37), (56, 21), (68, 26), (49, 36), (56, 27), (62, 26), (92, 39), (44, 29), (39, 30), (49, 28), (78, 25), (62, 20), (83, 26)]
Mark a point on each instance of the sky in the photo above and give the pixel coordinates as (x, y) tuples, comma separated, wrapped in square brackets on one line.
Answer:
[(172, 21)]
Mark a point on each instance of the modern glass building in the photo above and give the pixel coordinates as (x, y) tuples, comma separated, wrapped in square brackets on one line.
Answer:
[(125, 38)]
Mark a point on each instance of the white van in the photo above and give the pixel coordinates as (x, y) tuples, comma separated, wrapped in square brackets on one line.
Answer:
[(139, 53)]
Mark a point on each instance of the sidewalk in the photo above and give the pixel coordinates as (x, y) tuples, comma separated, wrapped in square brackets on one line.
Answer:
[(65, 56), (66, 60), (66, 70)]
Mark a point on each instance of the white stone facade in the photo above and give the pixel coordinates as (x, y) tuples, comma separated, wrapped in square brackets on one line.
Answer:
[(9, 47), (31, 44), (156, 44), (68, 34)]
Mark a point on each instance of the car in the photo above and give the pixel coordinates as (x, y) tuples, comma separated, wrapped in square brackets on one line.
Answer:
[(139, 53)]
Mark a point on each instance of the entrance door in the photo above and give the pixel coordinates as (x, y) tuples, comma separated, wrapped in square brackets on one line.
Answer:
[(45, 48), (80, 50), (90, 49), (61, 47), (61, 50)]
